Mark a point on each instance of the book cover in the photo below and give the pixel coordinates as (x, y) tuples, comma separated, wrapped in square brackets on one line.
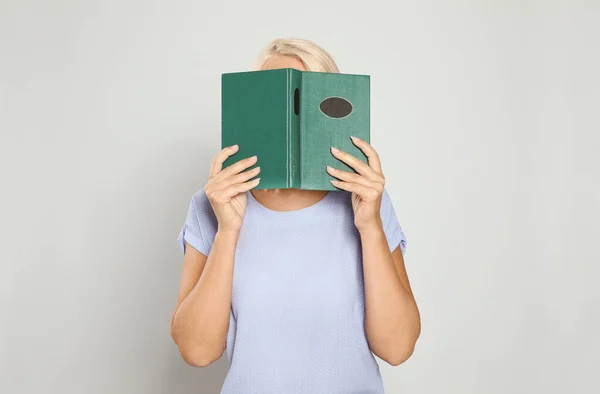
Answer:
[(290, 119)]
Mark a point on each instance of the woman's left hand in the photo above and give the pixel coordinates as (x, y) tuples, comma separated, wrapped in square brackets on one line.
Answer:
[(366, 185)]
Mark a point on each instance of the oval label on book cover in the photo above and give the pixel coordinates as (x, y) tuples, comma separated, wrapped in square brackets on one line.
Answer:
[(336, 107)]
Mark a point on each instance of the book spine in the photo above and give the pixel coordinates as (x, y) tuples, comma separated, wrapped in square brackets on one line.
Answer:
[(293, 122)]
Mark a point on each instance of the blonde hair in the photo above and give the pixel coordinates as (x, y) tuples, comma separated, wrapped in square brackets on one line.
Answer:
[(310, 54)]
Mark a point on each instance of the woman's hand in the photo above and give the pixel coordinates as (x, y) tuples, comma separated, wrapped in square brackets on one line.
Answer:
[(366, 186), (226, 189)]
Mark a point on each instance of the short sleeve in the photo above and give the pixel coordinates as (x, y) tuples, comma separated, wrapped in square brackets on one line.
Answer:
[(393, 231), (200, 225)]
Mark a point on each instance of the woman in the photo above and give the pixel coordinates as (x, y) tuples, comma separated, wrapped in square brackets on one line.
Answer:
[(301, 287)]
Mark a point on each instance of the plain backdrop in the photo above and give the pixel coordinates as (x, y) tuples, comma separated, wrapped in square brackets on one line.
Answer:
[(485, 114)]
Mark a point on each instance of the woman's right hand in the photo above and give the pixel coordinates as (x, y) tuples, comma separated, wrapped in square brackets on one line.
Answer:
[(226, 189)]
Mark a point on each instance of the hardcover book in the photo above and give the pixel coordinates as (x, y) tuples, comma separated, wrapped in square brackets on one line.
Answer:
[(290, 119)]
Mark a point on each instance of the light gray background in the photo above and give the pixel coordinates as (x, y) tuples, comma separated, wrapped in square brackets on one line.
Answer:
[(485, 114)]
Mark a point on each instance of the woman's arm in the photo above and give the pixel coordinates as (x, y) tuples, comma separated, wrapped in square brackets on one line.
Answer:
[(392, 321), (200, 322), (201, 319)]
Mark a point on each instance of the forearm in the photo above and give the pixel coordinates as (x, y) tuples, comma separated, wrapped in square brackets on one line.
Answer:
[(201, 322), (392, 321)]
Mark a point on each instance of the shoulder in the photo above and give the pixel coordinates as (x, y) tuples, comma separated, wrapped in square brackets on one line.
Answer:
[(201, 203), (203, 210), (200, 225), (387, 207), (385, 196), (393, 229)]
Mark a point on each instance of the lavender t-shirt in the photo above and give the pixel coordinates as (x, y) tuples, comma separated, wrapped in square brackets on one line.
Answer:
[(297, 307)]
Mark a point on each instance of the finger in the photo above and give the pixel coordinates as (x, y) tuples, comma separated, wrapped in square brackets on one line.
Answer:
[(352, 177), (217, 163), (235, 168), (358, 165), (234, 190), (239, 178), (370, 152), (367, 194)]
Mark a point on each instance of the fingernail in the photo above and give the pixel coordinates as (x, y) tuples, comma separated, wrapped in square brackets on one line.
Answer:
[(234, 146), (257, 179), (329, 168), (334, 150), (356, 139), (253, 157), (257, 169)]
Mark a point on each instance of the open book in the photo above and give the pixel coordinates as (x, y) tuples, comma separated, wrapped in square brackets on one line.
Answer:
[(290, 119)]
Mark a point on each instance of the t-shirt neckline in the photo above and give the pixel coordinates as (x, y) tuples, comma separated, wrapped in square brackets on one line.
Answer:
[(317, 204)]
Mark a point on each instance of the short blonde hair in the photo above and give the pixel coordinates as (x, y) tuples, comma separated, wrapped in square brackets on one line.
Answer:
[(310, 54)]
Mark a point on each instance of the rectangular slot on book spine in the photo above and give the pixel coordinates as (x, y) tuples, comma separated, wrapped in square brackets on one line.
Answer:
[(297, 101), (294, 137)]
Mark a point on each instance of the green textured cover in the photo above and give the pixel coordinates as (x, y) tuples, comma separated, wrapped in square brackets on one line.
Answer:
[(258, 112)]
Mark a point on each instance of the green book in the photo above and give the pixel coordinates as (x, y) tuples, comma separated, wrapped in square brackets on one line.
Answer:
[(290, 119)]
